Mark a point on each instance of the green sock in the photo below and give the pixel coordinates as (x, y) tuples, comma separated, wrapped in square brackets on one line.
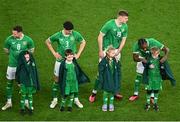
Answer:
[(105, 97), (63, 102), (156, 98), (22, 102), (71, 97), (55, 90), (111, 99), (30, 98), (137, 83), (148, 96), (9, 89)]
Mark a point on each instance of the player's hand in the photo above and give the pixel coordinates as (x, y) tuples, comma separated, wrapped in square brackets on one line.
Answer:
[(101, 54), (76, 56), (163, 59), (151, 66), (57, 55), (144, 60)]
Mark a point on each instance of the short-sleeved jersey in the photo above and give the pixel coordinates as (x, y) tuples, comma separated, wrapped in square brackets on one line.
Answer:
[(66, 42), (154, 76), (15, 46), (113, 34), (151, 43)]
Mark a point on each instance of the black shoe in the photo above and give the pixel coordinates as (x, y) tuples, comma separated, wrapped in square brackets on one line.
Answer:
[(22, 112), (30, 111), (147, 107), (156, 107), (69, 109), (62, 108)]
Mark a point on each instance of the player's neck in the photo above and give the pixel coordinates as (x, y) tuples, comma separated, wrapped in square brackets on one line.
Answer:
[(66, 35), (118, 22), (69, 62)]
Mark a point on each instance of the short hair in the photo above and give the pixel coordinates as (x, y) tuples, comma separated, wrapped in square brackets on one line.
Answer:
[(155, 49), (141, 41), (68, 52), (123, 13), (110, 48), (18, 28), (68, 25)]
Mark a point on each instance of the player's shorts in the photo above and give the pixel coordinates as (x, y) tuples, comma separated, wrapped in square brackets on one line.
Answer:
[(11, 73), (139, 68), (56, 68), (118, 57)]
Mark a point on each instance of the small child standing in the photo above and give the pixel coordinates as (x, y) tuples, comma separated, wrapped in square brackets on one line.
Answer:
[(27, 78), (154, 78), (70, 75), (109, 76)]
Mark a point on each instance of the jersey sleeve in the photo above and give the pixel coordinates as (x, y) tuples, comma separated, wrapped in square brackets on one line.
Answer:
[(79, 37), (54, 37), (106, 28), (157, 44), (7, 43), (135, 48), (125, 33), (31, 43)]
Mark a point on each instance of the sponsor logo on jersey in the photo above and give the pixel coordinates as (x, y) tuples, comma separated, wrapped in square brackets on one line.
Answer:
[(24, 43), (13, 42)]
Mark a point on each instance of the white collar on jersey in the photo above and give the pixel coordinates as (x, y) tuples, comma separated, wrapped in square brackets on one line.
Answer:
[(64, 34)]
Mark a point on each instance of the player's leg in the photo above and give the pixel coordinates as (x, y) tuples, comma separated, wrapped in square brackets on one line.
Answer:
[(22, 101), (11, 71), (156, 94), (138, 80), (76, 100), (55, 86), (63, 103), (148, 96), (105, 101), (118, 95), (71, 97), (30, 99), (111, 102)]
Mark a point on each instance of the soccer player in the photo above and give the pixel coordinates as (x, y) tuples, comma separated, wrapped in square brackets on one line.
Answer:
[(114, 33), (141, 51), (65, 39), (14, 44)]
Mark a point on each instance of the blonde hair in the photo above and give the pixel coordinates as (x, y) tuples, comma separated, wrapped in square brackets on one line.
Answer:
[(109, 48)]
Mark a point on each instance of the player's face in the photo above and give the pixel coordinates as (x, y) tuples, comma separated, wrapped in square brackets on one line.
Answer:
[(111, 53), (123, 19), (155, 53), (144, 46), (69, 57), (27, 57), (67, 32), (16, 34)]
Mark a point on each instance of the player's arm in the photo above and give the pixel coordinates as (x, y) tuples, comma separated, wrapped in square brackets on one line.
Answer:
[(138, 58), (166, 52), (50, 47), (100, 44), (81, 48), (6, 50), (121, 45)]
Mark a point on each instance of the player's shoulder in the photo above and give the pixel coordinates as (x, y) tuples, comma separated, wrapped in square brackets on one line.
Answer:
[(9, 37), (74, 32)]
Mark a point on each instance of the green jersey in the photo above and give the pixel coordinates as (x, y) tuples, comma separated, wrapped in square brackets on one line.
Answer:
[(66, 41), (154, 76), (71, 79), (113, 33), (15, 46), (151, 43)]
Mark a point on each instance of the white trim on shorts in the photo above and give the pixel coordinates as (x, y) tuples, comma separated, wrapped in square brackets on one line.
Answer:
[(11, 73), (56, 68)]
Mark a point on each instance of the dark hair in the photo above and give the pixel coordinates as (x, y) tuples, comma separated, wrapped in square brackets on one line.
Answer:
[(18, 28), (68, 25), (123, 13), (141, 41), (68, 52)]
